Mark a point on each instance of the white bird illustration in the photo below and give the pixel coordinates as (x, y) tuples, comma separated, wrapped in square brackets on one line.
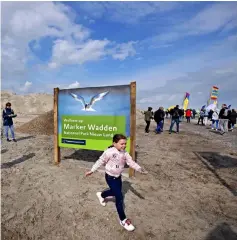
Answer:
[(88, 106)]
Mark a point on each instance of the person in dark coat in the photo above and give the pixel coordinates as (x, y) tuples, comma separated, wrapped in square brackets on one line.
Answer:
[(175, 118), (210, 114), (7, 115), (232, 119), (194, 113), (159, 119), (223, 119)]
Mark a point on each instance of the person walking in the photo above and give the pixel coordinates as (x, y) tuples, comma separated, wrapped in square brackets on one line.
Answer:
[(201, 117), (223, 119), (114, 159), (175, 117), (215, 120), (159, 119), (188, 115), (194, 113), (233, 117), (7, 115), (205, 117), (148, 116)]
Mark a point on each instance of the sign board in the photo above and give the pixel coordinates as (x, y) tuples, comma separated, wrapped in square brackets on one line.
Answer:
[(88, 118)]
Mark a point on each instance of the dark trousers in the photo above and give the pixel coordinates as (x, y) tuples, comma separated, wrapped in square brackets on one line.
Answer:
[(159, 127), (188, 119), (173, 121), (147, 126), (115, 189), (201, 118)]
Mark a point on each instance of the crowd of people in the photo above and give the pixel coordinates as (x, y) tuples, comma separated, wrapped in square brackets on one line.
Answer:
[(223, 120)]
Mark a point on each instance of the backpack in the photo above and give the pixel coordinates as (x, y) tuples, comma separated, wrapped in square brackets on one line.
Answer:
[(176, 112)]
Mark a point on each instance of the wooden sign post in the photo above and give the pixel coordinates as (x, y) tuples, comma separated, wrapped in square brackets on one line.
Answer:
[(55, 119), (132, 124)]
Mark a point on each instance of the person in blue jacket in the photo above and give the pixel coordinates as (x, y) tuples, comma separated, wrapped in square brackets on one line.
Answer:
[(7, 115)]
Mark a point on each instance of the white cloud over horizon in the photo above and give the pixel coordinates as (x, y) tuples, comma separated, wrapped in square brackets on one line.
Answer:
[(74, 85), (26, 87), (25, 23)]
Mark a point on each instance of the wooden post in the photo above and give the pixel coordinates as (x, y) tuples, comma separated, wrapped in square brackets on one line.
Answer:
[(55, 118), (132, 123)]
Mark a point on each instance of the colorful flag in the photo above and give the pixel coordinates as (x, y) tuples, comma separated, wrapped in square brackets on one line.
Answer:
[(186, 101), (214, 93)]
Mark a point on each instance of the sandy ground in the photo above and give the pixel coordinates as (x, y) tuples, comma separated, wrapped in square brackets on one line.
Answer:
[(190, 191)]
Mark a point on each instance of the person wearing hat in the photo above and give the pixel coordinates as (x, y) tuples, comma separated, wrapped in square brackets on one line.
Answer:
[(7, 116)]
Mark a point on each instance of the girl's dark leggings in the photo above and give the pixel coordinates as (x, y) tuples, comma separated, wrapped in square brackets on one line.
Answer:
[(115, 189)]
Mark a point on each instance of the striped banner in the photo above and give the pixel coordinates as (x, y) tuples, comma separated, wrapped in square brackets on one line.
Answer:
[(214, 93)]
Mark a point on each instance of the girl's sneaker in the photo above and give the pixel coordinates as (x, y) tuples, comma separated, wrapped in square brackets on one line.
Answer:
[(126, 223), (102, 200)]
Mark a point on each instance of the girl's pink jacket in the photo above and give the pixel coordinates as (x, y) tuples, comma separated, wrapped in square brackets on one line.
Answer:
[(114, 162)]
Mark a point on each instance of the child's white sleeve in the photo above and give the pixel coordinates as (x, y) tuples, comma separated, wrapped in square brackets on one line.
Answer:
[(132, 163), (101, 161)]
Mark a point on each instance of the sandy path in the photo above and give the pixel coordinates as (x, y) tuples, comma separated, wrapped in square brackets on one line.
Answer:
[(179, 199)]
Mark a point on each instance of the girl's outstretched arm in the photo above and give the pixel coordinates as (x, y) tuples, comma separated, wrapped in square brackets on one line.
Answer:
[(101, 161), (133, 164)]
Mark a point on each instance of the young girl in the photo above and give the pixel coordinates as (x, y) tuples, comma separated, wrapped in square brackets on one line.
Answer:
[(114, 159)]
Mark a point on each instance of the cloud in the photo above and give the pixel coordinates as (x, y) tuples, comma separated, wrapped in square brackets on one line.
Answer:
[(196, 72), (125, 12), (26, 86), (23, 23), (68, 52), (74, 85), (124, 50), (197, 83), (219, 16), (212, 18)]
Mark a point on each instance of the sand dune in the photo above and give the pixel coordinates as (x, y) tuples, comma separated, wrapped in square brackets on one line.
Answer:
[(36, 103)]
